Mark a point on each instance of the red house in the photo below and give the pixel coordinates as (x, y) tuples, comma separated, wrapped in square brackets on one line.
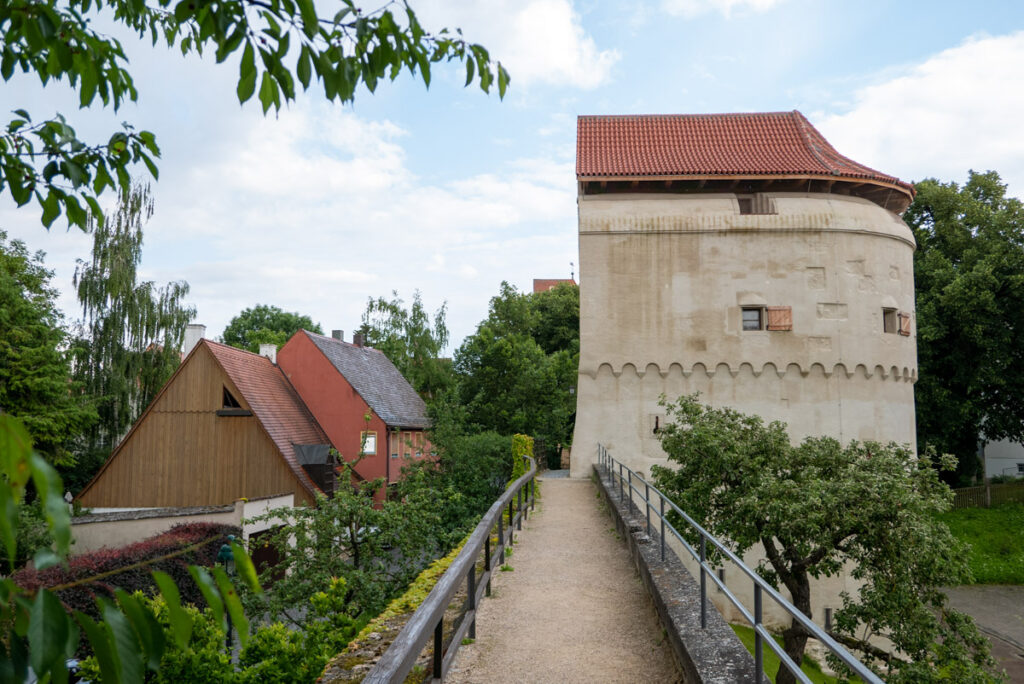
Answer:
[(370, 413)]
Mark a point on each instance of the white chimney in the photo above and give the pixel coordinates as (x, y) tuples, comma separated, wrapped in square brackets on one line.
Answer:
[(270, 351), (193, 333)]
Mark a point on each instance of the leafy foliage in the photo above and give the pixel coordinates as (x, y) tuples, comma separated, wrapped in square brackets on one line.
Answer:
[(819, 507), (280, 42), (34, 373), (263, 324), (969, 277), (410, 341), (132, 331), (509, 381), (38, 631)]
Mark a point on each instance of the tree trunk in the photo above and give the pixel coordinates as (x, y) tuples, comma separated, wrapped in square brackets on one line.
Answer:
[(794, 639)]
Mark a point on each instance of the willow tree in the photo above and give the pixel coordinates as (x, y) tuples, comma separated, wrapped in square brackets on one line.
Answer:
[(131, 332)]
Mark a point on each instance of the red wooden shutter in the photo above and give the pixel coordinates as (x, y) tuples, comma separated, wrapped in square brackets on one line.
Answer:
[(779, 317), (904, 324)]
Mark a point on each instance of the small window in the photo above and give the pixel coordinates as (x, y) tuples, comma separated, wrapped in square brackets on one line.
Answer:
[(753, 318), (229, 400), (394, 455), (756, 204), (369, 442), (890, 324), (1020, 468)]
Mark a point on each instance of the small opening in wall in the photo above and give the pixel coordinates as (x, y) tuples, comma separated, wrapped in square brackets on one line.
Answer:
[(229, 400), (753, 318), (746, 205), (889, 322)]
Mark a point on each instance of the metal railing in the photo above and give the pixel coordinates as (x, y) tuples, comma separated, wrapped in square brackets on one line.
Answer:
[(428, 621), (624, 478)]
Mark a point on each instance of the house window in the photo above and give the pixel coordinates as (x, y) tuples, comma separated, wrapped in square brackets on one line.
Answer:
[(890, 323), (753, 318), (756, 204), (229, 400), (394, 455), (1020, 468), (369, 442)]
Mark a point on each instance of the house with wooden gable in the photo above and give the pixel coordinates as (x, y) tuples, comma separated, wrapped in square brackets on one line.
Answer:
[(369, 411), (227, 425)]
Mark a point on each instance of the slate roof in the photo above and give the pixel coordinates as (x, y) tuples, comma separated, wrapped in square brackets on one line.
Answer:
[(377, 381), (274, 402), (746, 145)]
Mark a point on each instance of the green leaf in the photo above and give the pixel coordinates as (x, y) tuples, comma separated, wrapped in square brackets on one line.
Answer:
[(268, 91), (45, 558), (310, 21), (245, 569), (51, 209), (47, 633), (146, 626), (503, 81), (302, 69), (153, 170), (100, 640), (208, 587), (234, 605), (126, 646), (181, 621), (51, 493), (23, 114), (470, 66)]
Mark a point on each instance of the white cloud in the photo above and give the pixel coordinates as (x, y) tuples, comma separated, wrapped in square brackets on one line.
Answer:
[(960, 109), (693, 8), (538, 41)]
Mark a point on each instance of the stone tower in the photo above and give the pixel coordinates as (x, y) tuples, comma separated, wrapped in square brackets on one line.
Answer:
[(742, 257)]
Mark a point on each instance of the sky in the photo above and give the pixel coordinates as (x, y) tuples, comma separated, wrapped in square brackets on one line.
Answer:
[(450, 191)]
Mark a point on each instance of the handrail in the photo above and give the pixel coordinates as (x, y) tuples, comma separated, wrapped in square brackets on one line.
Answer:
[(428, 620), (626, 477)]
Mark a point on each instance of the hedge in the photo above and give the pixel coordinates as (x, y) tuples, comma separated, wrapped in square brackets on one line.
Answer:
[(127, 567)]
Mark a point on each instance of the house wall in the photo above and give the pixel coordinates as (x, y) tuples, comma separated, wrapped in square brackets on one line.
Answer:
[(663, 279), (1004, 458), (113, 530), (404, 447), (334, 403), (181, 453)]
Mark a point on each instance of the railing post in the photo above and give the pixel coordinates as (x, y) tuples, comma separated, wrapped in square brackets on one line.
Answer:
[(703, 586), (758, 646), (487, 561), (501, 537), (438, 644), (620, 482), (630, 476), (511, 522), (647, 506), (519, 508), (662, 499), (472, 600)]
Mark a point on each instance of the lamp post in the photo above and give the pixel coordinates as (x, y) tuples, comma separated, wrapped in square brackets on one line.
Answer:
[(226, 558)]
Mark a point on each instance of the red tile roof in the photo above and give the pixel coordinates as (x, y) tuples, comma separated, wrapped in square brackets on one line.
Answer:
[(745, 145), (274, 402), (545, 284)]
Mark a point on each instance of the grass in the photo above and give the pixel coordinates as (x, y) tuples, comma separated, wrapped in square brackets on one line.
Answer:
[(771, 661), (996, 538)]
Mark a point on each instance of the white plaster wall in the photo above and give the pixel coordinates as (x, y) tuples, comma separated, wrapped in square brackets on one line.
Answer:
[(662, 282), (1003, 457)]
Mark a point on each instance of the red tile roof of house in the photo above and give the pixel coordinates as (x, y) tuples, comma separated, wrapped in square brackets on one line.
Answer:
[(274, 402), (545, 284), (745, 145)]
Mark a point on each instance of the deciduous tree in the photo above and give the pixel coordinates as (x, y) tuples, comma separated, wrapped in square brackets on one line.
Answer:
[(819, 508), (35, 374), (410, 340), (283, 44), (969, 278), (263, 324)]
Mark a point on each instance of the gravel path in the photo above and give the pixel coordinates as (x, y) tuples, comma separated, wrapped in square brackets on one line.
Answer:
[(572, 610)]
